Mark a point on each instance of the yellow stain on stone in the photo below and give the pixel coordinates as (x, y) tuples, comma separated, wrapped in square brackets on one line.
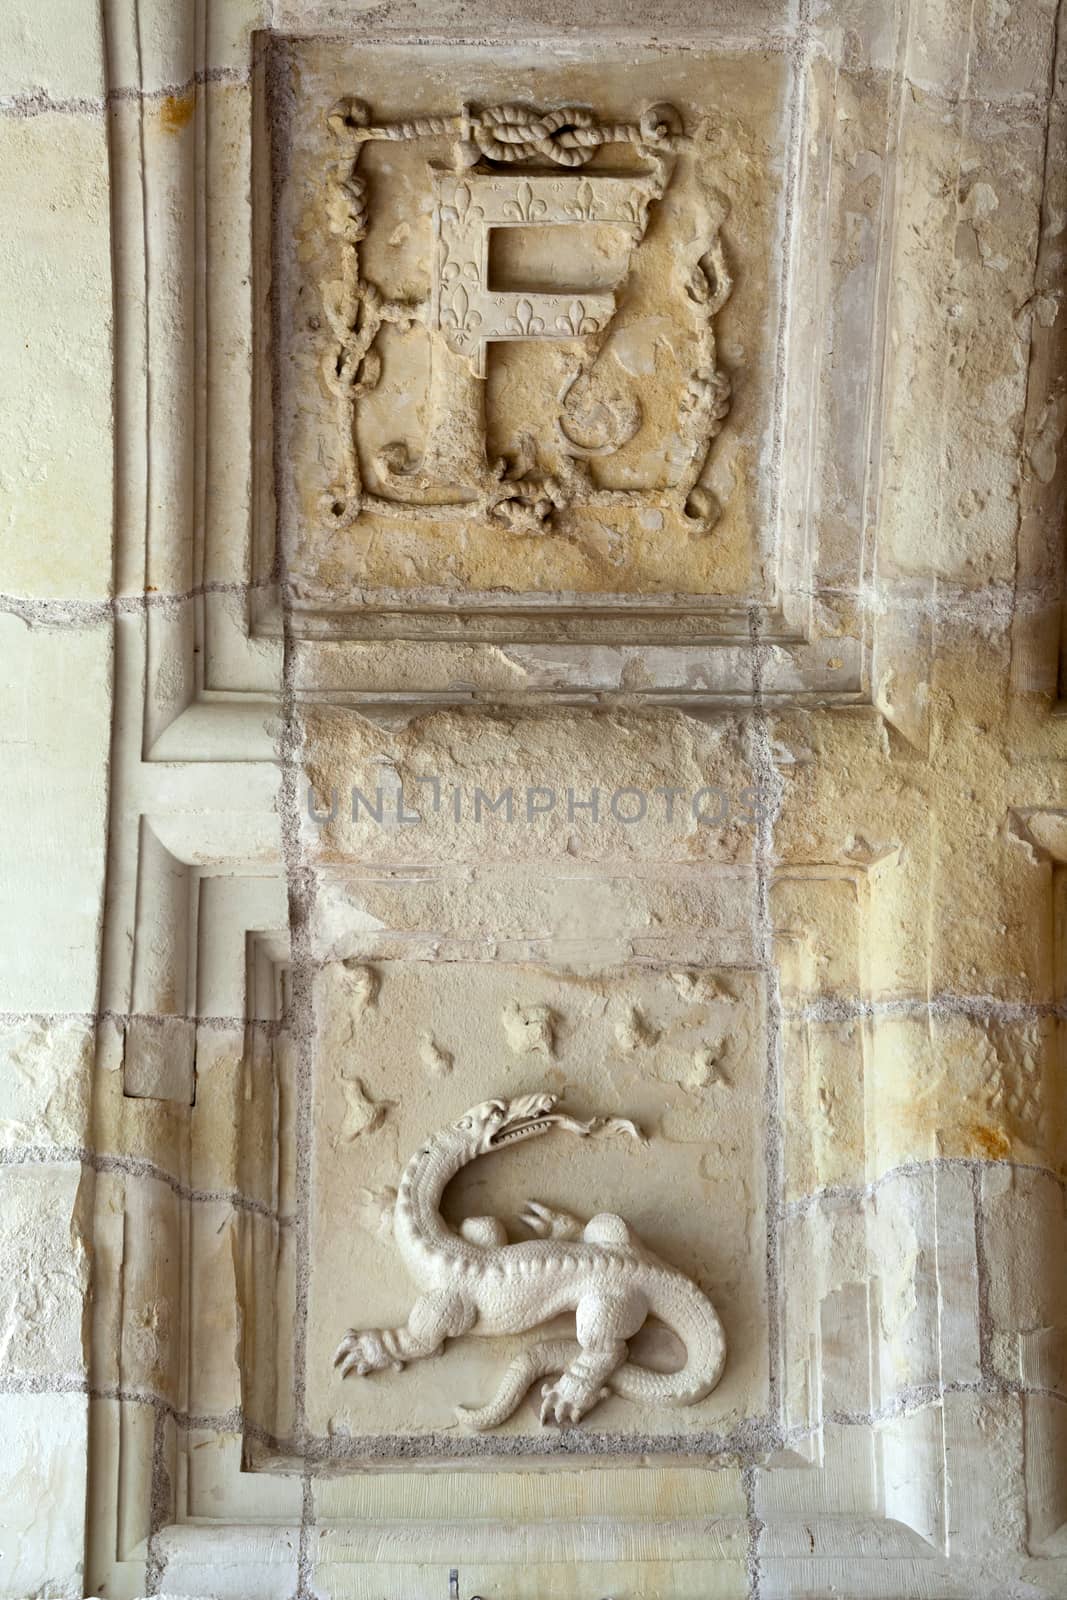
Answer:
[(992, 1143), (176, 111)]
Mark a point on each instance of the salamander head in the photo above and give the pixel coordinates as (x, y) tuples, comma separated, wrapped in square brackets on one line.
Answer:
[(496, 1123)]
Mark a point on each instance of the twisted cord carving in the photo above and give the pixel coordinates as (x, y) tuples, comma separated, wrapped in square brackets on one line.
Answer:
[(350, 367), (354, 308), (708, 393), (568, 137)]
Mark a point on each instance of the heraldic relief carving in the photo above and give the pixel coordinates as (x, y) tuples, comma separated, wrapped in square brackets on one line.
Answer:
[(474, 1281), (516, 167)]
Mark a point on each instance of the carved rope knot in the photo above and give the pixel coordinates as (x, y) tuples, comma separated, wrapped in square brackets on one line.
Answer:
[(346, 204), (569, 137)]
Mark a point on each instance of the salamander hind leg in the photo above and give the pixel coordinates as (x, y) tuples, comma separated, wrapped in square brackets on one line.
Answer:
[(607, 1228), (489, 1233), (605, 1322)]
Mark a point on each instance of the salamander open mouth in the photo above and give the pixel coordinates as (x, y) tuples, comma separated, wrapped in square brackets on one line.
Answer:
[(522, 1130)]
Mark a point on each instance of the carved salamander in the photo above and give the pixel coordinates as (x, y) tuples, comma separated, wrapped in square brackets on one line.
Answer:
[(474, 1281)]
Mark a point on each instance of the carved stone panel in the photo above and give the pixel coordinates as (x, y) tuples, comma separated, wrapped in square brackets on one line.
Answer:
[(525, 344), (404, 1049)]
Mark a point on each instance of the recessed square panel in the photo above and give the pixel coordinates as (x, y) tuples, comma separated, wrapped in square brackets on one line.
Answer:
[(404, 1049), (524, 344)]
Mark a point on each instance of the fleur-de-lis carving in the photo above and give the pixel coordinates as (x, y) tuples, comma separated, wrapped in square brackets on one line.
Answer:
[(524, 208), (583, 208), (524, 322), (460, 316), (451, 270), (462, 209), (635, 208), (576, 323)]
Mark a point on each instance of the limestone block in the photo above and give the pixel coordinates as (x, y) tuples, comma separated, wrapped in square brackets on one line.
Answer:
[(827, 1346), (825, 1109), (969, 231), (817, 921), (352, 1509), (268, 1293), (42, 1495), (215, 1243), (45, 1073), (847, 799), (664, 786), (986, 937), (848, 1486), (841, 237), (160, 1059), (856, 35), (287, 1066), (56, 54), (888, 1277), (924, 1263), (986, 1508), (686, 914), (912, 1445), (617, 1526), (149, 1275), (227, 110), (551, 1580), (123, 1435), (57, 441), (983, 51), (53, 786), (751, 19), (216, 1479), (156, 49), (1045, 1444), (234, 1136), (45, 1270), (141, 1131), (1025, 1235), (105, 1344), (961, 1085), (240, 1529)]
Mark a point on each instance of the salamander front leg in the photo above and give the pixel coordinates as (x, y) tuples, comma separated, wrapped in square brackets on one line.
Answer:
[(434, 1318)]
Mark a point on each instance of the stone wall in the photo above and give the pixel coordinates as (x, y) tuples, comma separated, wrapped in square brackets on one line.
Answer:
[(533, 565)]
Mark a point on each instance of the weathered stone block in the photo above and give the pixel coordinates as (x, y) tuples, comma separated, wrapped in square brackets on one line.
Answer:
[(45, 1082), (57, 448), (44, 1270), (53, 792), (42, 1495)]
